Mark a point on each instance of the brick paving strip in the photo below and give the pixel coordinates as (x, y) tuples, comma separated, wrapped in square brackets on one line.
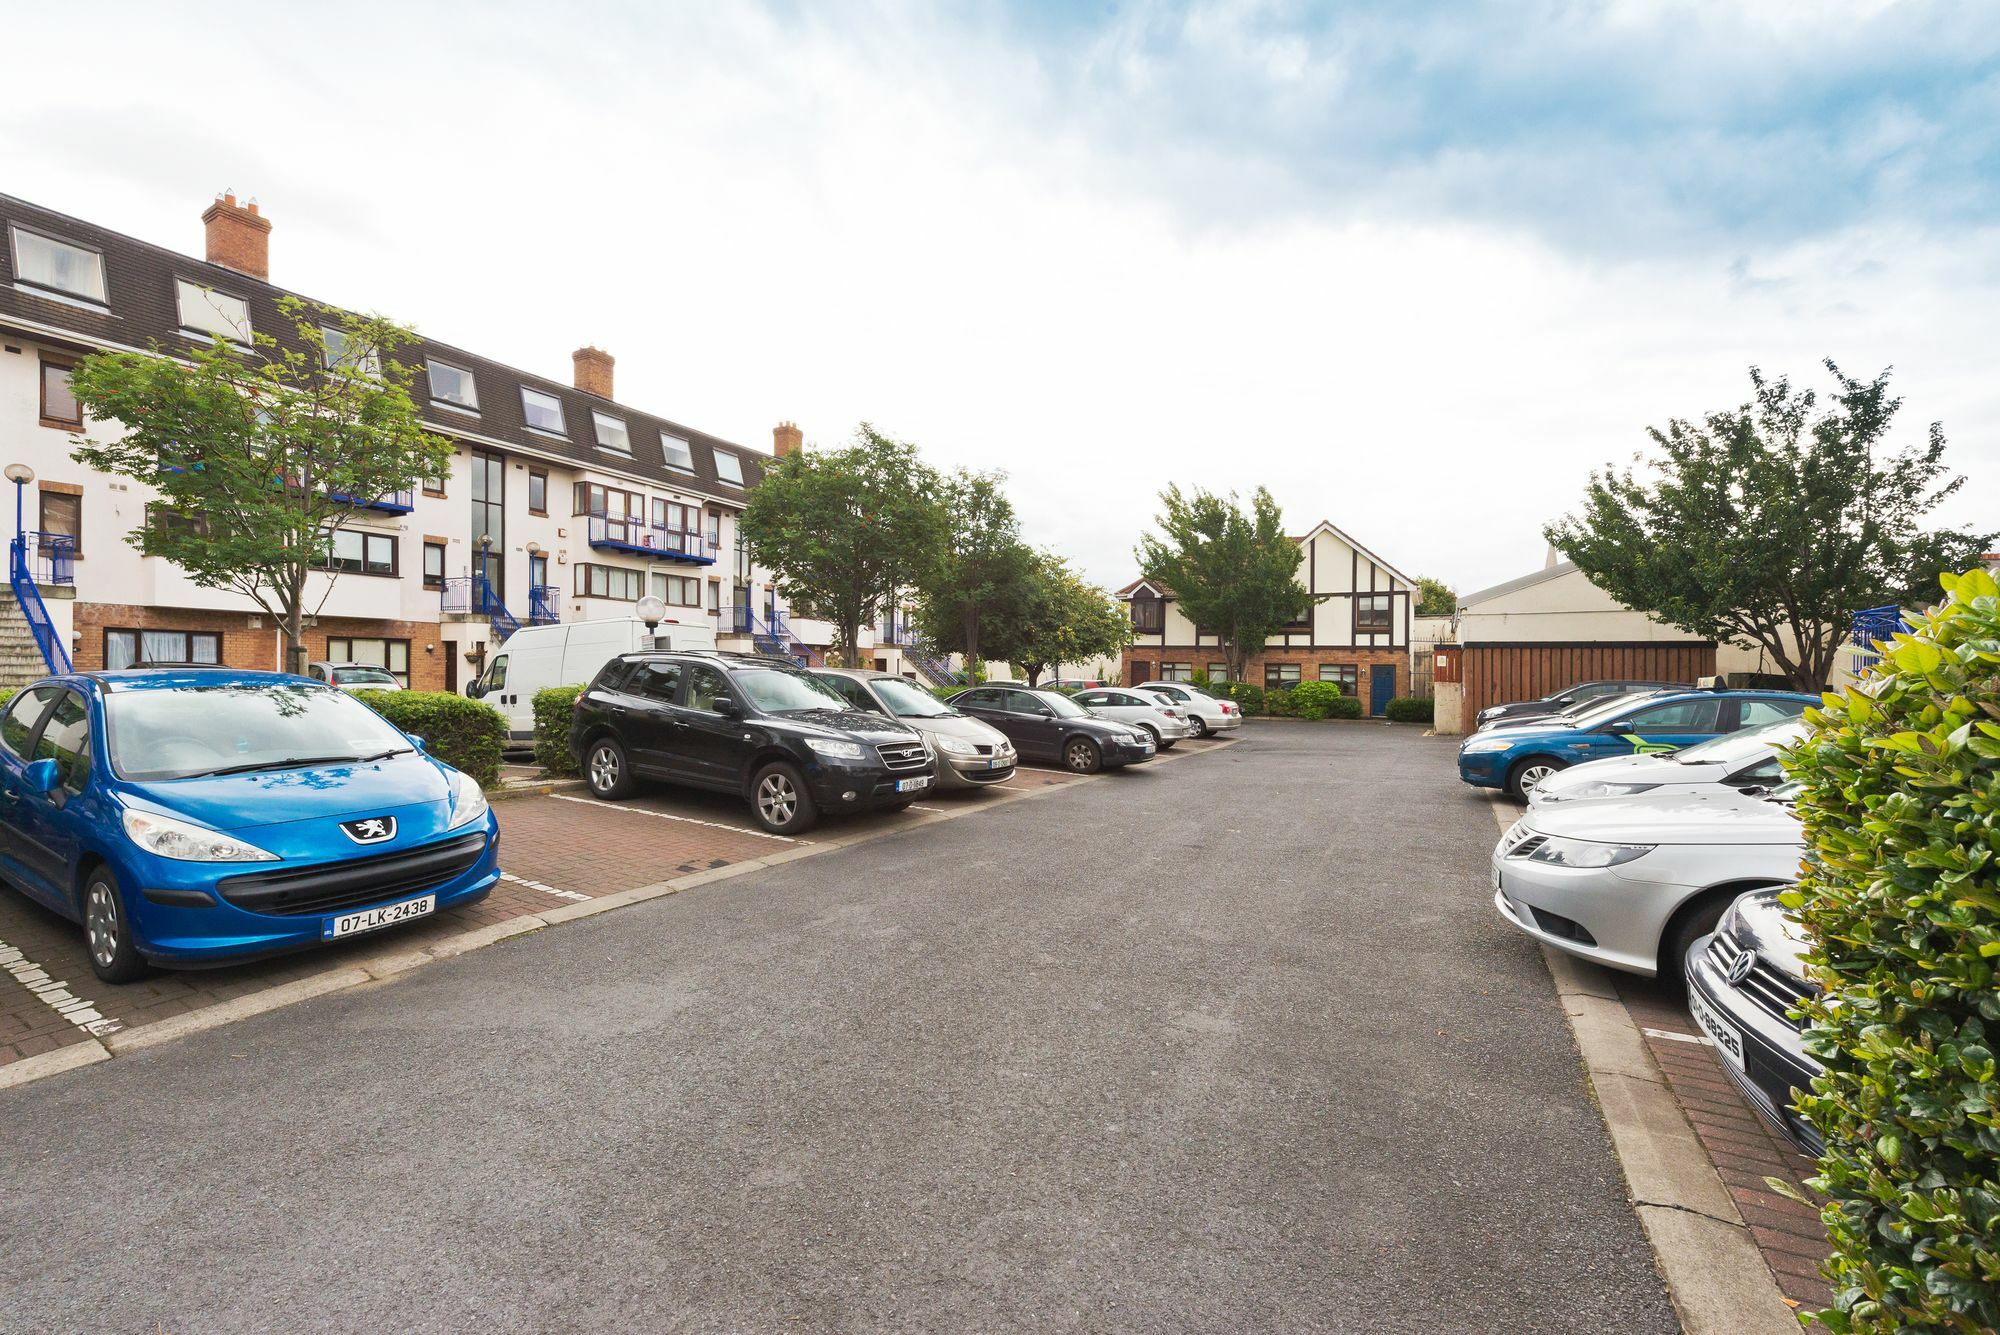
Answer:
[(1720, 1275), (570, 876)]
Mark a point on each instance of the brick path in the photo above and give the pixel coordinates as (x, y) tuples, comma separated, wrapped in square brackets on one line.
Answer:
[(1744, 1148)]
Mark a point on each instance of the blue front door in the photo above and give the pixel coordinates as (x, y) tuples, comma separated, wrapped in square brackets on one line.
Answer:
[(1381, 686)]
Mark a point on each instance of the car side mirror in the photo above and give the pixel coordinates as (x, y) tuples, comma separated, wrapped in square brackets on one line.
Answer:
[(727, 707), (41, 777), (474, 691), (418, 742)]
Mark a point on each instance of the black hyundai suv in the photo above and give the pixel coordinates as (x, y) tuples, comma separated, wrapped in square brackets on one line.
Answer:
[(745, 724)]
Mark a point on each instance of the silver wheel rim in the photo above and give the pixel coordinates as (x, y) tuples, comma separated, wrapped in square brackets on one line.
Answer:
[(604, 769), (777, 800), (1197, 727), (1079, 755), (101, 925), (1531, 777)]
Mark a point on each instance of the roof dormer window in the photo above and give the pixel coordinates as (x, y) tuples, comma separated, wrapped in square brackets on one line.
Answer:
[(676, 452), (340, 356), (58, 266), (728, 468), (203, 310), (452, 385), (611, 433), (544, 412)]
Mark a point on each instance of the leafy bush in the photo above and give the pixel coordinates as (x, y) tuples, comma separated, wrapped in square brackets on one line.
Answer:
[(464, 734), (1247, 694), (1413, 709), (1316, 699), (1199, 680), (945, 693), (1347, 706), (554, 707), (1278, 702), (1901, 900)]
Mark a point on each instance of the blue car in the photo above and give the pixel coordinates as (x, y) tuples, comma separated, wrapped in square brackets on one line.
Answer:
[(1518, 758), (199, 816)]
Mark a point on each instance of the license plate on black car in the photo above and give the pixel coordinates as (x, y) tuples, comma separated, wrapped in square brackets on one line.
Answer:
[(917, 784)]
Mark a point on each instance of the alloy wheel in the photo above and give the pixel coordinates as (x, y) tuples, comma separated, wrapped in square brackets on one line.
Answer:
[(1197, 726), (1532, 777), (777, 800), (101, 924), (1081, 757), (604, 769)]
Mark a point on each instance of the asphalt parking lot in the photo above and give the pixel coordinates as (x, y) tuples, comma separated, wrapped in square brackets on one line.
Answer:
[(1230, 1043), (554, 850)]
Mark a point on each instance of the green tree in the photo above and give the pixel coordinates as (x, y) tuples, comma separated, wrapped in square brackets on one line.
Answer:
[(1772, 523), (1234, 572), (258, 455), (984, 567), (841, 528), (1061, 618), (1435, 598)]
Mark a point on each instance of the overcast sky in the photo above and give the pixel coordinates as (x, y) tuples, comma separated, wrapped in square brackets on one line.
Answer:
[(1416, 268)]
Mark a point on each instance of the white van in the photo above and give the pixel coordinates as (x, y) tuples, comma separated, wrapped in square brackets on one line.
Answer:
[(569, 653)]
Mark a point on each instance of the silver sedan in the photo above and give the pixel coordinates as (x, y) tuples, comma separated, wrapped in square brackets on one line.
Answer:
[(1141, 709)]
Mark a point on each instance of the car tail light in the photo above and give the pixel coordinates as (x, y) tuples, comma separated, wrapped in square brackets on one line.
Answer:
[(1168, 712)]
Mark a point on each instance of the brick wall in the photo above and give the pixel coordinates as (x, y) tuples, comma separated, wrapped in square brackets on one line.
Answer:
[(259, 647), (1309, 661)]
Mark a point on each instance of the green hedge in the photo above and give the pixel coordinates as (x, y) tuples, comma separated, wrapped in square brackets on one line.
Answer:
[(1311, 700), (1900, 897), (1247, 694), (1413, 709), (554, 708), (464, 734)]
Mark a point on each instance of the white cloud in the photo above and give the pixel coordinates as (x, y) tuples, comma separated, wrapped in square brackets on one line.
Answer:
[(921, 222)]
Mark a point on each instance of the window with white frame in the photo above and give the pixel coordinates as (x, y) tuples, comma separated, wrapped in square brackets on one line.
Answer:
[(677, 453), (204, 310), (611, 434), (453, 385), (58, 266), (728, 468), (543, 412), (341, 355)]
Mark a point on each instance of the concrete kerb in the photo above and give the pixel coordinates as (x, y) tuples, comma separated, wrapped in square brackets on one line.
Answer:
[(1715, 1273), (391, 963)]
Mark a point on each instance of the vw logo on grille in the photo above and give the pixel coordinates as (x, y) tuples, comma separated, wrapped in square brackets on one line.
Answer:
[(372, 830), (1740, 967)]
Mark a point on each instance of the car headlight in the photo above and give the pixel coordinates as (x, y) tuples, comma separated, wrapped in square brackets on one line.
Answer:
[(955, 746), (1601, 788), (468, 801), (1482, 745), (837, 750), (183, 841), (1587, 853)]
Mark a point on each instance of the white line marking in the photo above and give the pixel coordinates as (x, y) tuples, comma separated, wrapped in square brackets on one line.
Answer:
[(915, 807), (55, 993), (1702, 1039), (545, 889), (685, 820)]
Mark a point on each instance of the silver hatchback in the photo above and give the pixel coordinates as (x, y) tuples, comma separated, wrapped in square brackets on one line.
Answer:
[(971, 754), (1146, 710)]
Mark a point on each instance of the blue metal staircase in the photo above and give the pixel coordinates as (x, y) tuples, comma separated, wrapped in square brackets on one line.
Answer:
[(55, 554), (473, 595)]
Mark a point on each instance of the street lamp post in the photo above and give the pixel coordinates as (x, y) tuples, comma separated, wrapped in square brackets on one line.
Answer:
[(20, 475)]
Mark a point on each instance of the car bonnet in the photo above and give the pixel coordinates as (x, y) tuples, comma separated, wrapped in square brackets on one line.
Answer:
[(1674, 816)]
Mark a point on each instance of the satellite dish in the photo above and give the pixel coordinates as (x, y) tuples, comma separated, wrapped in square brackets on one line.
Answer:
[(650, 610)]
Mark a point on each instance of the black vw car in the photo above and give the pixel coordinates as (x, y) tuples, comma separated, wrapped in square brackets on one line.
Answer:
[(1049, 726), (747, 724)]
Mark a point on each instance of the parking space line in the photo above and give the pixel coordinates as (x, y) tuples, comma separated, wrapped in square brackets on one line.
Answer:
[(1702, 1039), (915, 807), (545, 889), (55, 993), (685, 820)]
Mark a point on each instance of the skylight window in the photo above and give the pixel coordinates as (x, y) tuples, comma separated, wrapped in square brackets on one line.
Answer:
[(341, 357), (217, 314), (43, 261), (728, 468), (677, 453), (611, 434), (453, 385), (544, 412)]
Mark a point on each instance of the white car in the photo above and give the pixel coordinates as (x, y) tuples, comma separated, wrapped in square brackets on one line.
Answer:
[(1205, 714), (1148, 711), (1740, 760), (354, 676), (1630, 882)]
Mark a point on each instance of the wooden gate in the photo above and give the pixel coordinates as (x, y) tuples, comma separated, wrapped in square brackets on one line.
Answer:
[(1500, 674)]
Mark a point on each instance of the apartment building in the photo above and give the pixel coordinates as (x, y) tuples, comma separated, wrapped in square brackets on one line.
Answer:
[(1357, 632), (562, 503)]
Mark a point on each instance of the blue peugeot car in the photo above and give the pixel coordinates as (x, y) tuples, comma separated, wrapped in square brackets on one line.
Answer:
[(198, 816), (1518, 758)]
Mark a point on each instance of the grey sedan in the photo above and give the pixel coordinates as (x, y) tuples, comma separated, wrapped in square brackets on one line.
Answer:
[(971, 754)]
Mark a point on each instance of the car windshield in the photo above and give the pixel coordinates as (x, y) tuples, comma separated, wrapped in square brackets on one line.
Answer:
[(371, 676), (181, 732), (908, 701), (777, 692), (1063, 706), (1748, 744)]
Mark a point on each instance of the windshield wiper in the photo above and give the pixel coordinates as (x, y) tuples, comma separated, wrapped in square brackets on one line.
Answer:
[(296, 762)]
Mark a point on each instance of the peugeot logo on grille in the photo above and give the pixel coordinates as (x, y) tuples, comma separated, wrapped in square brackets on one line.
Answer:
[(372, 830), (1740, 967)]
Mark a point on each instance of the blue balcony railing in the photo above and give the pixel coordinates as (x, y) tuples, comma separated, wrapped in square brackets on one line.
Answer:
[(395, 502), (473, 595), (52, 557), (544, 605), (634, 535)]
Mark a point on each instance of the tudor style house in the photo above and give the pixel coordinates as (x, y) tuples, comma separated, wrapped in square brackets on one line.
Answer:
[(1357, 633), (562, 503)]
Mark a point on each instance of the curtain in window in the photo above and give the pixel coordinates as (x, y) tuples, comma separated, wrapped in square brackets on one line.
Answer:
[(162, 646), (121, 647)]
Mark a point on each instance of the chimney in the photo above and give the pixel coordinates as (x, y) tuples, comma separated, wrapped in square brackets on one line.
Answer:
[(786, 439), (239, 237), (593, 371)]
